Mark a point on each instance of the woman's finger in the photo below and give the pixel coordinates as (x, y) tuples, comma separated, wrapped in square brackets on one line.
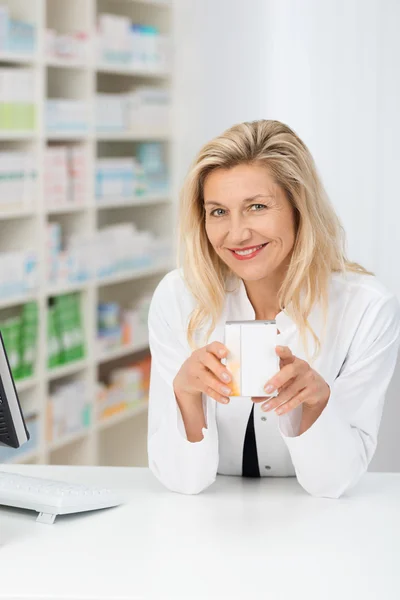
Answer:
[(289, 371), (210, 386), (211, 381), (218, 349), (285, 354), (286, 395), (207, 359), (293, 403)]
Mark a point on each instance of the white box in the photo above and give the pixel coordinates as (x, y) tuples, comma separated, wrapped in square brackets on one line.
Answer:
[(252, 359)]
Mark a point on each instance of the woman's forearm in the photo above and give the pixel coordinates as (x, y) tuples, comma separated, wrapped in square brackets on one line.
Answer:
[(310, 415), (191, 407)]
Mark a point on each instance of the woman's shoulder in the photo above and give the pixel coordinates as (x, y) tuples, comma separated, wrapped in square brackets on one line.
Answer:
[(172, 286), (361, 284), (363, 293), (172, 297)]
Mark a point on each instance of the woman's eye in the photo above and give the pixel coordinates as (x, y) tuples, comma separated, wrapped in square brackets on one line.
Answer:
[(217, 212), (258, 207)]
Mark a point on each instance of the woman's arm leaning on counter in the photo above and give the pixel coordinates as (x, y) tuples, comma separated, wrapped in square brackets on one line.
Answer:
[(334, 452), (181, 465)]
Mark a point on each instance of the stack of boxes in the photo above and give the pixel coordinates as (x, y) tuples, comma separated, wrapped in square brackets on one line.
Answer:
[(18, 180), (65, 175), (128, 387), (144, 109), (119, 179), (66, 115), (68, 410), (16, 37), (71, 264), (151, 157), (17, 99), (67, 46), (18, 273), (122, 179), (117, 327), (20, 335), (78, 174), (139, 47), (110, 251), (148, 107), (65, 334)]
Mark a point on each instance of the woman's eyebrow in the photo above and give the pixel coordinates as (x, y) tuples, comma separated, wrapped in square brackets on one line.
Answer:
[(245, 201)]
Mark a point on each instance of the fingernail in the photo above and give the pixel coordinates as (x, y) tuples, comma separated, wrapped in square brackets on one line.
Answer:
[(266, 407), (225, 377), (225, 400), (269, 389), (221, 352), (226, 390), (279, 411)]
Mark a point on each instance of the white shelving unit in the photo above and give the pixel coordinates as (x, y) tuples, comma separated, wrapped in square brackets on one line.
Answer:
[(121, 439)]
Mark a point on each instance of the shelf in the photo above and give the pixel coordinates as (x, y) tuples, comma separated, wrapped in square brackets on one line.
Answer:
[(128, 203), (23, 213), (67, 288), (121, 352), (130, 275), (153, 3), (11, 135), (18, 59), (67, 135), (65, 209), (25, 223), (131, 136), (103, 281), (26, 384), (68, 369), (121, 416), (66, 64), (111, 69), (18, 300), (68, 439)]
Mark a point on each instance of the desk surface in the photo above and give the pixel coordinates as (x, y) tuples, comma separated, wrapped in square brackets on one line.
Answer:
[(239, 539)]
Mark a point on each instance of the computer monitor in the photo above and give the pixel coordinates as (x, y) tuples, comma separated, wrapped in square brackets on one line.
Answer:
[(13, 431)]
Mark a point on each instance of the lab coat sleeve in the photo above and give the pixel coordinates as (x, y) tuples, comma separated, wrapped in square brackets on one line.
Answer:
[(181, 465), (332, 455)]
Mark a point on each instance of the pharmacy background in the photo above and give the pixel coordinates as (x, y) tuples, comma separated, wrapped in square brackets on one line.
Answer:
[(86, 219)]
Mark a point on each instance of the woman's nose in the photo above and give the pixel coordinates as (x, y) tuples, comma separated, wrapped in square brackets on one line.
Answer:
[(237, 234)]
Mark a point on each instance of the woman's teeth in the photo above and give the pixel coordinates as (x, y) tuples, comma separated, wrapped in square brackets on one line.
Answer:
[(246, 252)]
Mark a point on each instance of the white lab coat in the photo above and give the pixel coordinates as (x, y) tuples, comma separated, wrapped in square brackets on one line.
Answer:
[(357, 360)]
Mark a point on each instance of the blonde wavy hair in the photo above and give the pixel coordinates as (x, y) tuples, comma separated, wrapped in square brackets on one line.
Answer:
[(319, 248)]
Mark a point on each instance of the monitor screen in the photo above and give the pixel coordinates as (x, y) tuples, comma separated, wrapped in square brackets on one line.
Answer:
[(13, 431)]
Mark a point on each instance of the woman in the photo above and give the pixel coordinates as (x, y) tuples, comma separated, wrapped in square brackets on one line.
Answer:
[(260, 240)]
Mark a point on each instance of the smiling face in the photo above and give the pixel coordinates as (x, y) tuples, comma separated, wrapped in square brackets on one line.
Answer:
[(249, 221)]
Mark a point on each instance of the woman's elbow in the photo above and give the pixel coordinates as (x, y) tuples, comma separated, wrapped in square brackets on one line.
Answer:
[(333, 488), (190, 484)]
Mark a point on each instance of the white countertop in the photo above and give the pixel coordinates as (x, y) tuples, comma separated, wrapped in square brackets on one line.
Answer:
[(240, 538)]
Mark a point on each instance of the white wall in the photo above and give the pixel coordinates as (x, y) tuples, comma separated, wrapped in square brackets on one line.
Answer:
[(331, 71)]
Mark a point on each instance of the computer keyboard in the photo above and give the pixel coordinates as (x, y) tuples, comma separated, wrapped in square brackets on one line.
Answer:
[(50, 498)]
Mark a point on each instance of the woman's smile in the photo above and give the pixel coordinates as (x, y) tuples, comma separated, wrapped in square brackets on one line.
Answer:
[(248, 252)]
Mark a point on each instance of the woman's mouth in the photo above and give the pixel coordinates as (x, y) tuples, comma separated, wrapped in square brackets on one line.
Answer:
[(247, 253)]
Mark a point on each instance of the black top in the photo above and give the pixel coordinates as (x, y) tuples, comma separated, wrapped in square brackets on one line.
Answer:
[(250, 466)]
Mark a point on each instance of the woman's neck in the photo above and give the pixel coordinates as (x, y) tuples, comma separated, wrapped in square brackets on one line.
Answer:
[(263, 295)]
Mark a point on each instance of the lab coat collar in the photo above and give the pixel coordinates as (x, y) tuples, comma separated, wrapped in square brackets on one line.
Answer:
[(240, 307)]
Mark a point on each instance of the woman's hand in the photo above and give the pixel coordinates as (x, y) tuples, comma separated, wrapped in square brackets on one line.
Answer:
[(204, 372), (297, 383)]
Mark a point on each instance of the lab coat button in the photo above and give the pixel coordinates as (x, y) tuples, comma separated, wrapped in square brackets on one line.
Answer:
[(263, 418), (267, 467)]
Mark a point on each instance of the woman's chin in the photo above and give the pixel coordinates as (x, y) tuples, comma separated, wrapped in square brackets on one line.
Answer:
[(250, 273)]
